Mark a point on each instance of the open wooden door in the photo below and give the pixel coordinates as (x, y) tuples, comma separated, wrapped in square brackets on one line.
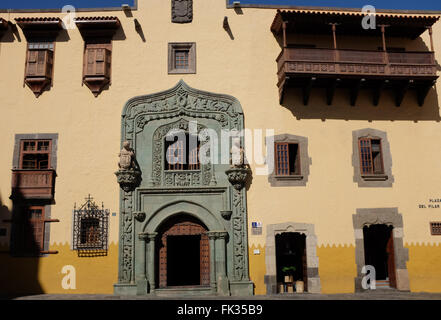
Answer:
[(391, 260)]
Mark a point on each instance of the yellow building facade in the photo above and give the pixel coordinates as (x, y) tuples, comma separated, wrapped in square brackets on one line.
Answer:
[(327, 205)]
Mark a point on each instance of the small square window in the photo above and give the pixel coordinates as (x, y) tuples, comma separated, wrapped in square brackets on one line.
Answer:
[(181, 58), (287, 159), (435, 228)]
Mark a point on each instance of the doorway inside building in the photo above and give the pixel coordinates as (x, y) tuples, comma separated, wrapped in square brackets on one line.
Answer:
[(183, 260), (291, 260), (183, 254), (379, 252)]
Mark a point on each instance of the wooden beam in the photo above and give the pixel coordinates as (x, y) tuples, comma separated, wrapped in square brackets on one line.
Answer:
[(307, 90), (422, 91), (355, 89), (284, 34), (378, 88), (432, 48), (330, 91), (400, 92)]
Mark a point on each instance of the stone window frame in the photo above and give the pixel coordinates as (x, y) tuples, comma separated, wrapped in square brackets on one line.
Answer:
[(305, 161), (384, 180), (172, 48), (391, 217), (53, 164), (312, 260)]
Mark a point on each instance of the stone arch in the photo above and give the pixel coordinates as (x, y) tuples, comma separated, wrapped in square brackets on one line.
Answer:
[(182, 207), (307, 229)]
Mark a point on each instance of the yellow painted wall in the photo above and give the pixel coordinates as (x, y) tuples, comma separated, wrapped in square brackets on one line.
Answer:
[(44, 275), (244, 67)]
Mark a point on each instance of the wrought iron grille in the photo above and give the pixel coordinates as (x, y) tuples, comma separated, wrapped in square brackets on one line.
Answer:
[(90, 226)]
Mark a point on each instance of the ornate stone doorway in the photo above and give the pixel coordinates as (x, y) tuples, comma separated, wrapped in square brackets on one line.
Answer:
[(154, 193), (183, 253)]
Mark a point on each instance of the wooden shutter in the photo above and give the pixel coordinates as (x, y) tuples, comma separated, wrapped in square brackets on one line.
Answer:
[(97, 62), (377, 160), (365, 149), (39, 63), (32, 228), (282, 158)]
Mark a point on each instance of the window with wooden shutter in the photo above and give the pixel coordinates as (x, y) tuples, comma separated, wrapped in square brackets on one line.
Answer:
[(371, 158), (35, 154), (97, 66), (287, 159), (39, 66), (435, 228)]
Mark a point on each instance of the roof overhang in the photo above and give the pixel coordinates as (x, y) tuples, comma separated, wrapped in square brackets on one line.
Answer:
[(90, 27), (36, 27), (349, 22)]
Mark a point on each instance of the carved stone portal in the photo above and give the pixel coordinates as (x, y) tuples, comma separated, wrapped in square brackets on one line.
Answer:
[(182, 11), (217, 200)]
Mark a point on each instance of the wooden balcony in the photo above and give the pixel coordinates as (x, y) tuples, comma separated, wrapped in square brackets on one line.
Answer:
[(377, 70), (33, 184)]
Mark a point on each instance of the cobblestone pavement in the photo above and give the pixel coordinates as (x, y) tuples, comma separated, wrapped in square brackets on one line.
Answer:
[(378, 295)]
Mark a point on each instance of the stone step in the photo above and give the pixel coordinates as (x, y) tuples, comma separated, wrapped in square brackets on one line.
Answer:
[(184, 291)]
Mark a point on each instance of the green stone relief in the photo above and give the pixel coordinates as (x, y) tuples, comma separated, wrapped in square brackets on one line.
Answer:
[(206, 194)]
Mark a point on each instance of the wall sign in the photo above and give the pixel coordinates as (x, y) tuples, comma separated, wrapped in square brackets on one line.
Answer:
[(432, 203), (256, 228)]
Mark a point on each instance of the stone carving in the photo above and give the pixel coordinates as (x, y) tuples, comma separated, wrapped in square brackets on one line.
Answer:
[(182, 11), (190, 178), (238, 176), (126, 157), (128, 175), (238, 236), (140, 216), (237, 159)]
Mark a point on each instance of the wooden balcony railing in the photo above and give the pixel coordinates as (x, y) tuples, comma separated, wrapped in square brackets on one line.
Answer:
[(33, 184), (354, 64)]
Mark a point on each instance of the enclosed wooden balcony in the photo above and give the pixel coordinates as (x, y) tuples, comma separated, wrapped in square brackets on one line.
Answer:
[(332, 68), (33, 184), (354, 67)]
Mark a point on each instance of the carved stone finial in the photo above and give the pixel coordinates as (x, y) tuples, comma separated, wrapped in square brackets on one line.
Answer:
[(238, 176), (182, 11)]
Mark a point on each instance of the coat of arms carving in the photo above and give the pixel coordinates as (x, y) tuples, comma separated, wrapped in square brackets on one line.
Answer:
[(182, 11)]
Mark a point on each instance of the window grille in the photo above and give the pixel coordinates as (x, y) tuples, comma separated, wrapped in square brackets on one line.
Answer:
[(90, 227)]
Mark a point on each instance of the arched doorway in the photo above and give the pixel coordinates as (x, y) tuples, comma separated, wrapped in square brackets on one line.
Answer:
[(183, 253)]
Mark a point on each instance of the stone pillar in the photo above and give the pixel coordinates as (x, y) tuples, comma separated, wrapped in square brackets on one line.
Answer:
[(141, 281), (212, 238), (221, 270), (151, 261)]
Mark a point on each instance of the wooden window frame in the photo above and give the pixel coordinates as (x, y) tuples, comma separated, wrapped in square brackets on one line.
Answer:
[(39, 82), (24, 152), (97, 81), (435, 228), (297, 165), (184, 153), (370, 160), (179, 46)]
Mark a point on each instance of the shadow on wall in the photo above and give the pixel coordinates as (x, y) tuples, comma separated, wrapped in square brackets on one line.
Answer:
[(18, 270), (341, 108)]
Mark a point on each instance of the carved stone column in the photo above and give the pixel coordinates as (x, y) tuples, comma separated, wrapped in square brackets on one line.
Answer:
[(151, 261), (221, 270), (141, 281), (212, 238)]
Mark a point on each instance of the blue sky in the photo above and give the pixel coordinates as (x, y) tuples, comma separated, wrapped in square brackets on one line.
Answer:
[(381, 4)]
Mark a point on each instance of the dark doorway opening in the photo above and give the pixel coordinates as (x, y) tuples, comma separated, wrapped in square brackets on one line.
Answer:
[(379, 251), (291, 252), (183, 260)]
